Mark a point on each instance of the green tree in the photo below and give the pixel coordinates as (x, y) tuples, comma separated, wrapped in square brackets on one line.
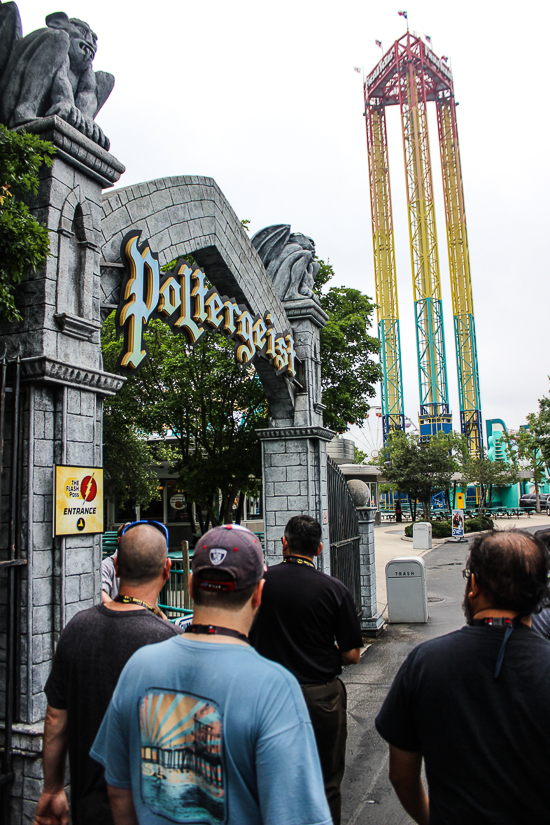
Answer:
[(530, 445), (209, 404), (24, 243), (418, 469), (488, 475), (348, 372)]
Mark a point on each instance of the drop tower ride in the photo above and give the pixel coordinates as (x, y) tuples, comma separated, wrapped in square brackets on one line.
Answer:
[(409, 76)]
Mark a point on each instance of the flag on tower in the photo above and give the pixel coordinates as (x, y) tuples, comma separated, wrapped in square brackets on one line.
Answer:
[(378, 43), (446, 59), (428, 38), (356, 69), (403, 14)]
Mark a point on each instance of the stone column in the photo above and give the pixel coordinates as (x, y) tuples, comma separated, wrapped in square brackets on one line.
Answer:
[(294, 458), (371, 618), (63, 390)]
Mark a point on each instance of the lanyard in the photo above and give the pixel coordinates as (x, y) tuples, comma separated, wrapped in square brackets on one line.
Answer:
[(214, 630), (499, 621), (133, 600), (298, 560)]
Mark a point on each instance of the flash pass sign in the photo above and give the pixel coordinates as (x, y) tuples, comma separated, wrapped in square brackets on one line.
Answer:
[(78, 500)]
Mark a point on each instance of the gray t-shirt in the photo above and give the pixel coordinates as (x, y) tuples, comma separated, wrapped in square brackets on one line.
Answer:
[(109, 581)]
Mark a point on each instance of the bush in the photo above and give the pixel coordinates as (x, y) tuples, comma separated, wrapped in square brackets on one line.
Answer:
[(443, 529)]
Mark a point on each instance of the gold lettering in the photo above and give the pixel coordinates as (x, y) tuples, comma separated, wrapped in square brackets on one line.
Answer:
[(259, 330), (281, 357), (141, 296), (199, 293), (185, 322), (214, 308), (231, 311), (170, 297), (270, 336), (291, 354), (246, 351)]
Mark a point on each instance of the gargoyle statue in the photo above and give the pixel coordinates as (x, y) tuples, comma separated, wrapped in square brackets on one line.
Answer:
[(49, 72), (289, 259)]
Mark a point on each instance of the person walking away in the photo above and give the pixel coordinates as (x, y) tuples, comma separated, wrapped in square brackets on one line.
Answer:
[(90, 655), (308, 623), (473, 704), (201, 729)]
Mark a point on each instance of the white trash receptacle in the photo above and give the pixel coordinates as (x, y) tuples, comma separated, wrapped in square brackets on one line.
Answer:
[(422, 535), (406, 589)]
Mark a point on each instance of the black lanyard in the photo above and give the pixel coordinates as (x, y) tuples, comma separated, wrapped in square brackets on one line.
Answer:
[(499, 621), (132, 600), (298, 560), (214, 630)]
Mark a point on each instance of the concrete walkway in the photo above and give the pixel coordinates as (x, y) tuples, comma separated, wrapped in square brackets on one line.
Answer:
[(389, 543)]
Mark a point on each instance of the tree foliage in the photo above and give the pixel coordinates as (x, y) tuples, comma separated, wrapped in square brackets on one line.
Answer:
[(348, 372), (485, 473), (530, 447), (418, 469), (207, 402), (24, 243)]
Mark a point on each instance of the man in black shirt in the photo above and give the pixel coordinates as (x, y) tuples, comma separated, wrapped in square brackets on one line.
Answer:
[(308, 623), (90, 655), (474, 704)]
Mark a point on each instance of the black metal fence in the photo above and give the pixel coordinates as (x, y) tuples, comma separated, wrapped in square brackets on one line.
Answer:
[(11, 561), (344, 533)]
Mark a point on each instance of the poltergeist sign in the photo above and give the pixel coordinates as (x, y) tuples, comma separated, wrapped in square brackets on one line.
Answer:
[(183, 300)]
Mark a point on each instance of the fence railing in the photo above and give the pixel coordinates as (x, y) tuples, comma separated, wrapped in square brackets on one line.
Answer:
[(344, 533)]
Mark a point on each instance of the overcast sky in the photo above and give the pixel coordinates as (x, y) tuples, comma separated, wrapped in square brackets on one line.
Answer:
[(262, 97)]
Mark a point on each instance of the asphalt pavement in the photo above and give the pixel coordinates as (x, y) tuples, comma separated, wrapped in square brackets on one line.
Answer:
[(367, 796)]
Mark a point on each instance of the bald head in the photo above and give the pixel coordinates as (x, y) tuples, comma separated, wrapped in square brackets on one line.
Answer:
[(141, 555), (511, 566)]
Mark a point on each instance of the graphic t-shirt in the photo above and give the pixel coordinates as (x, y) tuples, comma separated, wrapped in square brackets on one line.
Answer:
[(212, 733), (485, 741), (303, 612)]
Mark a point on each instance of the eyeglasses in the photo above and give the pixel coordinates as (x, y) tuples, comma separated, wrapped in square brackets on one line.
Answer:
[(158, 524), (466, 573)]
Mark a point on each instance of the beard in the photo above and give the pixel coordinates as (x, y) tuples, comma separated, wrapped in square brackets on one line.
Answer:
[(466, 607)]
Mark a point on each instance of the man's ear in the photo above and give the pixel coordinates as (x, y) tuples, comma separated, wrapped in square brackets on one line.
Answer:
[(57, 20), (257, 595), (474, 589), (191, 585), (319, 550), (166, 571), (115, 562)]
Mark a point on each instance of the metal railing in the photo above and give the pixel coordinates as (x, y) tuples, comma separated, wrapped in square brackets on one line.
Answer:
[(344, 533), (11, 562)]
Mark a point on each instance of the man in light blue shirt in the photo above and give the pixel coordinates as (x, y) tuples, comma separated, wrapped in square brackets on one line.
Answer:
[(201, 728)]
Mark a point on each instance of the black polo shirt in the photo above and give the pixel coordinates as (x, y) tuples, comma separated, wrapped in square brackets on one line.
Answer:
[(302, 615)]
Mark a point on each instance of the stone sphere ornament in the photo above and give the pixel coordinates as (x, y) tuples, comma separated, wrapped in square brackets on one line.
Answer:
[(360, 492)]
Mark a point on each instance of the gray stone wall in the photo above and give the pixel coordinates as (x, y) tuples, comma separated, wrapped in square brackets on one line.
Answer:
[(371, 617)]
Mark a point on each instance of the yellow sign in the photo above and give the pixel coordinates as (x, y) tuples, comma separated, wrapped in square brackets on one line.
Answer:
[(460, 501), (78, 500)]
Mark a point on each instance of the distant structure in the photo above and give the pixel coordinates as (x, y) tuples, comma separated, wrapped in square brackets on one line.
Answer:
[(409, 75)]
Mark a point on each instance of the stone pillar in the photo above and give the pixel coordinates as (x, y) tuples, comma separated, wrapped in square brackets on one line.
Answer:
[(294, 458), (63, 390), (371, 618)]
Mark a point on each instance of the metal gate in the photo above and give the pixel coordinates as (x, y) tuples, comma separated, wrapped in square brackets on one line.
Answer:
[(343, 532), (11, 561)]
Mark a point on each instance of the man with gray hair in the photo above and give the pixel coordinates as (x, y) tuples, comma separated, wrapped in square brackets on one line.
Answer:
[(90, 655), (474, 703)]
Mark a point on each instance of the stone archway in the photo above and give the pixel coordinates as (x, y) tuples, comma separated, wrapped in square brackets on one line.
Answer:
[(190, 215)]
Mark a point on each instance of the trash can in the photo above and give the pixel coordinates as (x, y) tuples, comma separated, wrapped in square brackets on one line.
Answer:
[(422, 535), (406, 590)]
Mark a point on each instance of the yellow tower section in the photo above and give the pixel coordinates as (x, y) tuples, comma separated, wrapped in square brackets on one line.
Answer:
[(384, 270), (459, 267)]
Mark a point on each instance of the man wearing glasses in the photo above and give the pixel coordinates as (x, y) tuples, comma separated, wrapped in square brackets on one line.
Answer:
[(474, 704), (90, 655)]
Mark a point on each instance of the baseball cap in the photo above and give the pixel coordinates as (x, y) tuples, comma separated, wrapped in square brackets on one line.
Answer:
[(233, 549)]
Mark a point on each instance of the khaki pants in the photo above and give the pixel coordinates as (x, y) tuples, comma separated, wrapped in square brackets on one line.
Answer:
[(327, 705)]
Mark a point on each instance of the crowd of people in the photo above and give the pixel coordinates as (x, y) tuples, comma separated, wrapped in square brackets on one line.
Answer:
[(242, 718)]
